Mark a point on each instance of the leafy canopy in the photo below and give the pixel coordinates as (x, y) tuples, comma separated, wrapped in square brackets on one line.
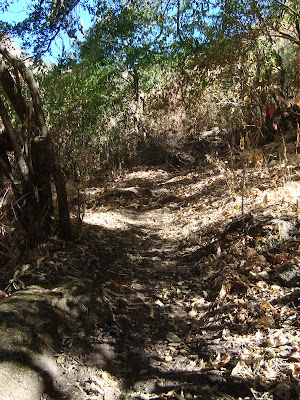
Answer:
[(136, 23)]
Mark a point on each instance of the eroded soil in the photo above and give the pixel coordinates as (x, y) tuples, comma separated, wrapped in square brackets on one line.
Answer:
[(184, 284)]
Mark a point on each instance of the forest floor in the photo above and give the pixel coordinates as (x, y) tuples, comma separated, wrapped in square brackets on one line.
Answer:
[(184, 284)]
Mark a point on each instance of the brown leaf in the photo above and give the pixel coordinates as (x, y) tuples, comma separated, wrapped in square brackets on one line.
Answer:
[(118, 284), (224, 360), (295, 357), (172, 337), (266, 321), (225, 288), (3, 294), (295, 370), (266, 306)]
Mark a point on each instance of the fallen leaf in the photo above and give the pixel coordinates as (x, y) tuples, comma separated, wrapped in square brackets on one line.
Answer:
[(118, 284), (160, 303), (266, 321), (193, 312), (281, 340), (295, 370), (242, 316), (265, 305), (295, 356), (226, 333), (172, 337), (25, 268), (3, 295), (262, 285), (61, 358), (81, 333), (122, 298), (224, 290), (151, 314), (106, 376), (242, 370), (249, 358), (250, 252), (39, 261), (224, 360), (199, 302)]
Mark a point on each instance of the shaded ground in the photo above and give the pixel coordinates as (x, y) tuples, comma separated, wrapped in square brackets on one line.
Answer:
[(183, 285)]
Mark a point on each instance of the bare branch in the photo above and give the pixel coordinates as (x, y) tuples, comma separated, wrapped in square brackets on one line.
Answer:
[(288, 8), (288, 37), (29, 79), (13, 141)]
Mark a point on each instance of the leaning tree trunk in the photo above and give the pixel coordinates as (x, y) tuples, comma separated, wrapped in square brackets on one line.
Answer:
[(33, 149)]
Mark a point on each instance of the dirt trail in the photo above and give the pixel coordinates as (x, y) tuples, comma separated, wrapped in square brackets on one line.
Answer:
[(186, 277), (174, 293)]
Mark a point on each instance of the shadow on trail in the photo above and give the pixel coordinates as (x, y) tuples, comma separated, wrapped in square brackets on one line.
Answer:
[(153, 343), (129, 284), (149, 342), (135, 344), (26, 368)]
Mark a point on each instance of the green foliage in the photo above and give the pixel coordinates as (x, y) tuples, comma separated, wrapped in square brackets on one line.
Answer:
[(75, 108), (153, 72), (98, 104), (94, 115), (124, 35), (134, 24)]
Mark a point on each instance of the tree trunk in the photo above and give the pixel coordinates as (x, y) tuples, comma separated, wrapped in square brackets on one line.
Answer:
[(41, 166), (21, 163), (41, 162), (14, 94), (62, 199)]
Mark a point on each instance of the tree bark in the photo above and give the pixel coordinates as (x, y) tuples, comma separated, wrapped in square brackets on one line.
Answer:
[(62, 198), (41, 160), (21, 163), (14, 95)]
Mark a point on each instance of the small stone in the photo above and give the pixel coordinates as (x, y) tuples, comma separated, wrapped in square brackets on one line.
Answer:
[(264, 275), (290, 276)]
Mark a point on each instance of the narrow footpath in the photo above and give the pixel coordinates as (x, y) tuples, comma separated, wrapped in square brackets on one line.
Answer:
[(172, 291)]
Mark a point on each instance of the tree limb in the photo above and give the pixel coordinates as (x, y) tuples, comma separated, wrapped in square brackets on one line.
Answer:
[(29, 79), (288, 8), (13, 141)]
